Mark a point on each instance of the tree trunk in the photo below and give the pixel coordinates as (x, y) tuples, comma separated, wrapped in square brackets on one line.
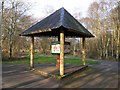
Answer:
[(1, 24), (112, 49), (118, 41), (74, 50), (10, 47), (11, 32), (107, 48), (0, 54), (10, 51)]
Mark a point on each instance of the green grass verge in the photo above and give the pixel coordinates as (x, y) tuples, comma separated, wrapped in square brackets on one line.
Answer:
[(48, 59)]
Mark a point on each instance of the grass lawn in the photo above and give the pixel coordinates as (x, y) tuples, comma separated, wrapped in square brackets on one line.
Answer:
[(42, 59)]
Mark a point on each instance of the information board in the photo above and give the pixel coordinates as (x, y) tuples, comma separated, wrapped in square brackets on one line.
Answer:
[(55, 47)]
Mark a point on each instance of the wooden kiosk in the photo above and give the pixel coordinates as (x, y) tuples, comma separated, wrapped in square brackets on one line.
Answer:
[(60, 24), (55, 50)]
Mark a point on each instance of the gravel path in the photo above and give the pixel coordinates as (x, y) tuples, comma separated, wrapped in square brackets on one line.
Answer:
[(104, 75)]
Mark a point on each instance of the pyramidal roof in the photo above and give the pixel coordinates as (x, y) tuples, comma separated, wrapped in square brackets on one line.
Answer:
[(51, 26)]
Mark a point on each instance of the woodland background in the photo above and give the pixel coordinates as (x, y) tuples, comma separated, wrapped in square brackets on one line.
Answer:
[(102, 20)]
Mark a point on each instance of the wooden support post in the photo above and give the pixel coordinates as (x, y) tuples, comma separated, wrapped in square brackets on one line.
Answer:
[(83, 50), (58, 57), (62, 53), (32, 53), (58, 61)]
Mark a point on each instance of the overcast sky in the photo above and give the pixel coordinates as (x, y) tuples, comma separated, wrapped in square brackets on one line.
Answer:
[(73, 6)]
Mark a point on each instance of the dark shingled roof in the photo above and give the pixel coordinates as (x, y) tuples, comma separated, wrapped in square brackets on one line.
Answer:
[(59, 20)]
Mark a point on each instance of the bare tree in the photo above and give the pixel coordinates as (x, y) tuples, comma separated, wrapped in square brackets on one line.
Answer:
[(14, 22), (103, 21)]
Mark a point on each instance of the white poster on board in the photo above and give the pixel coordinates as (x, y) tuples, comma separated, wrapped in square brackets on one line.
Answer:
[(55, 48)]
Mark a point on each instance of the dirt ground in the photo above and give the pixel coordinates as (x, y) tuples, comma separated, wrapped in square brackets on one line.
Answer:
[(104, 75)]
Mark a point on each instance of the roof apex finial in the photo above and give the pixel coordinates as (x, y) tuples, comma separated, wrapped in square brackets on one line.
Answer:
[(62, 8)]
